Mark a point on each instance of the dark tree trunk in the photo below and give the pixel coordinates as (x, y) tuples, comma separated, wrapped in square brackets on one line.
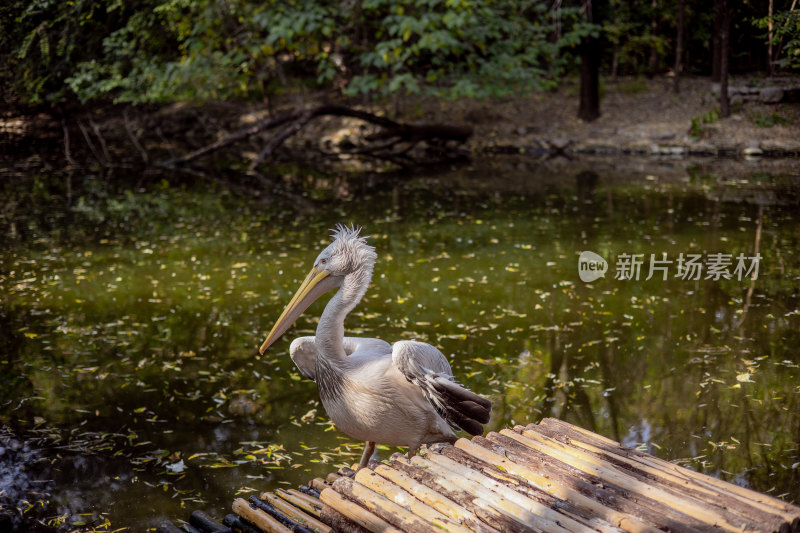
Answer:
[(589, 108), (724, 39), (770, 69), (679, 47), (652, 66), (716, 45)]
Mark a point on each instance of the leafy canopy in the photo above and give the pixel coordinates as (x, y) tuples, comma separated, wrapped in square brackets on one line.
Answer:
[(166, 50)]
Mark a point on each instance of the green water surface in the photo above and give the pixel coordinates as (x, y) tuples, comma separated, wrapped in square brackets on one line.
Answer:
[(131, 389)]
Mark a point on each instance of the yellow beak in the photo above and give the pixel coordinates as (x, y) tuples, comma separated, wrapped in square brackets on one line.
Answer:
[(311, 289)]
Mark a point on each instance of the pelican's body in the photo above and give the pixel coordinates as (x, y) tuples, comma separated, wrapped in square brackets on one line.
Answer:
[(402, 394), (369, 398)]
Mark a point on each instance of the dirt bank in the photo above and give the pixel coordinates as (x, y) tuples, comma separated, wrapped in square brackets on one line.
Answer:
[(639, 117)]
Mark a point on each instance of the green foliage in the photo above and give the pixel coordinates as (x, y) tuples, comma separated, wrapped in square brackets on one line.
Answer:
[(768, 120), (630, 32), (43, 40), (195, 50), (167, 50), (785, 36), (462, 49), (697, 129)]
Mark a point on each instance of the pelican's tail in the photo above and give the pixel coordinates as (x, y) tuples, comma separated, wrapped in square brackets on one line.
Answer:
[(461, 407)]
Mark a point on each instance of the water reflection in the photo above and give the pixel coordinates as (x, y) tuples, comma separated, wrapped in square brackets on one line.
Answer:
[(131, 388)]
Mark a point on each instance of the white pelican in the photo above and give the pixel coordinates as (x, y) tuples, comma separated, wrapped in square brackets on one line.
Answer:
[(402, 394)]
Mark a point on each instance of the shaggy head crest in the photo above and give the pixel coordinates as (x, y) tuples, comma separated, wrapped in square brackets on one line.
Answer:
[(349, 250)]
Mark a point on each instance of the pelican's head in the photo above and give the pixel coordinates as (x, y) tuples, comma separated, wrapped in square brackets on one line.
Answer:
[(348, 255)]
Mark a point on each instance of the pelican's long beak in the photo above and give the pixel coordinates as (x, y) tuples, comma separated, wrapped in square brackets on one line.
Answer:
[(315, 285)]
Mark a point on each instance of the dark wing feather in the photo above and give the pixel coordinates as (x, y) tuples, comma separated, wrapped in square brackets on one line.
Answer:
[(426, 367)]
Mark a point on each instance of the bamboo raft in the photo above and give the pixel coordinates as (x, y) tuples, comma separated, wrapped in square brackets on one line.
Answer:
[(552, 477)]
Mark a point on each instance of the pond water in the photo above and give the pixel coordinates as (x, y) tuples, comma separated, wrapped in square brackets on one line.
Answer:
[(131, 389)]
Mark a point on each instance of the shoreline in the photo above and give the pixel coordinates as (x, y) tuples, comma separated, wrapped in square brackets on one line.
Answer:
[(640, 118)]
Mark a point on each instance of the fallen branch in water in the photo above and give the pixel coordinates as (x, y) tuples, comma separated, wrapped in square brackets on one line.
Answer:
[(393, 133)]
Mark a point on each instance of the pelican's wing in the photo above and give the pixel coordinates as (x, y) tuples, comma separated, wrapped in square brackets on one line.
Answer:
[(366, 345), (303, 351), (425, 366)]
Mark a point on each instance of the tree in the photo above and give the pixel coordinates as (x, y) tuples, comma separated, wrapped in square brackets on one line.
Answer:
[(591, 55), (679, 47), (783, 36), (716, 44), (724, 53), (167, 50)]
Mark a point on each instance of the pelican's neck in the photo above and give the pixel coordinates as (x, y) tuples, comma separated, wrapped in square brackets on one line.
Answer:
[(330, 330)]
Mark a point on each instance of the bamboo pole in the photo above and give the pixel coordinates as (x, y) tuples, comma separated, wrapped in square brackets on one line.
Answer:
[(383, 507), (722, 513), (294, 513), (786, 510), (620, 520), (487, 512), (434, 499), (258, 517), (559, 475), (399, 496), (557, 519), (356, 513), (459, 475), (571, 480), (679, 477), (319, 484), (591, 465), (300, 500)]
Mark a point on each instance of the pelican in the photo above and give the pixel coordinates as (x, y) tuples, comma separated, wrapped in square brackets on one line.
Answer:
[(400, 395)]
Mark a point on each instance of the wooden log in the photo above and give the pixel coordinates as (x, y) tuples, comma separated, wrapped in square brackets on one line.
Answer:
[(476, 506), (295, 514), (713, 515), (659, 467), (381, 506), (520, 485), (458, 475), (204, 522), (339, 522), (698, 489), (347, 471), (278, 515), (305, 502), (189, 528), (258, 517), (356, 513), (319, 484), (238, 524), (311, 491), (333, 476), (407, 501), (620, 520), (557, 520), (609, 495), (434, 499)]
